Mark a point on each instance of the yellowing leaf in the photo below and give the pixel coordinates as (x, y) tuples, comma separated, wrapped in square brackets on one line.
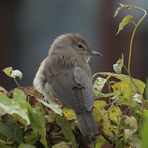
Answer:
[(99, 104), (125, 21), (8, 71), (114, 114), (123, 88), (69, 113), (125, 6)]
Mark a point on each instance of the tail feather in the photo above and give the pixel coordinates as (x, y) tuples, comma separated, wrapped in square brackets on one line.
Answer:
[(87, 124)]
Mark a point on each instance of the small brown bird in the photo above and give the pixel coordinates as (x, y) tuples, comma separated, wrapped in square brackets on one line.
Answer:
[(66, 75)]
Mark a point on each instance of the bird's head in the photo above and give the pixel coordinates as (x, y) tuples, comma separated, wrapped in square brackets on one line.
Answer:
[(76, 43)]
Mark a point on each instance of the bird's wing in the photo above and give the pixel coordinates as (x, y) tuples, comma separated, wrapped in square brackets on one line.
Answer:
[(73, 86)]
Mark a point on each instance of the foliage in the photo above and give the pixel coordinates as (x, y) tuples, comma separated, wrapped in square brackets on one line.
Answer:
[(120, 109)]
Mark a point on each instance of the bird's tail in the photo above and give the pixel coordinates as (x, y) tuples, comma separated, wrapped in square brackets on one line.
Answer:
[(87, 124)]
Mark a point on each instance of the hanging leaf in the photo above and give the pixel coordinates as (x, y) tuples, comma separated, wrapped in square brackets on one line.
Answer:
[(119, 65), (13, 73), (67, 131), (122, 6), (8, 71), (125, 21)]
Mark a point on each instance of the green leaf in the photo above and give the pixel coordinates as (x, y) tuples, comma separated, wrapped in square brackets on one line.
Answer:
[(146, 89), (61, 145), (24, 145), (99, 142), (119, 64), (67, 131), (31, 138), (12, 107), (144, 131), (19, 96), (11, 131), (125, 21), (37, 121)]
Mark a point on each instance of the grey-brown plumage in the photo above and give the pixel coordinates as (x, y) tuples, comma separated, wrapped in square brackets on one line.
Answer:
[(66, 75)]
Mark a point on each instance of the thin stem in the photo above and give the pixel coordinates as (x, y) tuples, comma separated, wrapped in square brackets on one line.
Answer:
[(18, 85), (131, 79), (132, 38)]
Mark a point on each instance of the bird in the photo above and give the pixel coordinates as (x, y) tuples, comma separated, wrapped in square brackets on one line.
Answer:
[(66, 75)]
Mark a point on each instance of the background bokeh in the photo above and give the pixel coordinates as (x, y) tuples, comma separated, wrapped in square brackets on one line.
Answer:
[(28, 27)]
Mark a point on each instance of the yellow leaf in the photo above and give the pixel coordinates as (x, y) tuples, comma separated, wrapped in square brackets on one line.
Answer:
[(8, 71), (114, 114), (125, 21), (69, 113), (100, 104), (123, 88)]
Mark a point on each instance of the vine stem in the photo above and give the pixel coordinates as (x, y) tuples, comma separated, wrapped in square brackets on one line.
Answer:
[(132, 38), (18, 85)]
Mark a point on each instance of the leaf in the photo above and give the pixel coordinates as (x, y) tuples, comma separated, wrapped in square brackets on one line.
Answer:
[(99, 85), (11, 131), (50, 117), (119, 64), (127, 134), (114, 114), (138, 98), (54, 107), (131, 123), (125, 78), (125, 21), (61, 145), (67, 131), (24, 145), (12, 73), (99, 104), (122, 6), (99, 142), (8, 71), (31, 138), (146, 89), (13, 108), (69, 113), (17, 73), (37, 121), (123, 88)]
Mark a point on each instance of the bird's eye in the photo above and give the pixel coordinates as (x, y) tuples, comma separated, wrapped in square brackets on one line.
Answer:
[(80, 45)]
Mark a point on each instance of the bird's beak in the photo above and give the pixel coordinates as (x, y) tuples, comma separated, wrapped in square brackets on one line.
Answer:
[(95, 53)]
